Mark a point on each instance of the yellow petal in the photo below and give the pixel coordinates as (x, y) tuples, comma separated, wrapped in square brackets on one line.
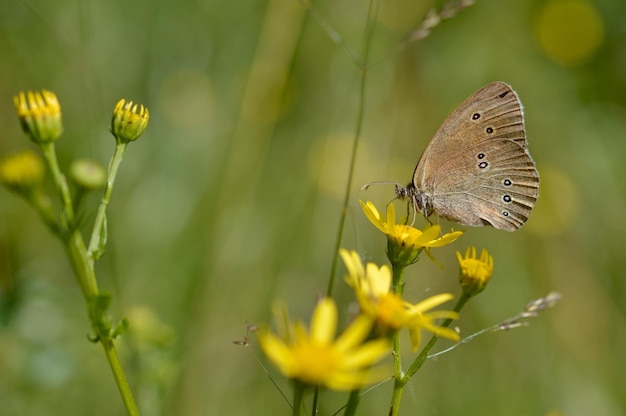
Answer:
[(431, 302), (324, 322), (354, 334), (368, 353), (373, 215)]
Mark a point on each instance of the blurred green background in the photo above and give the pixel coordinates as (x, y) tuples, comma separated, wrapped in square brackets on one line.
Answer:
[(232, 197)]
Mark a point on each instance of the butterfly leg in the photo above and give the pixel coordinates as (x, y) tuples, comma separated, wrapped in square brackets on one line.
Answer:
[(436, 216), (408, 213)]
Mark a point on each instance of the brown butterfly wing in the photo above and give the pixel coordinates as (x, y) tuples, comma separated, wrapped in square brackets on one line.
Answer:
[(476, 170), (492, 183)]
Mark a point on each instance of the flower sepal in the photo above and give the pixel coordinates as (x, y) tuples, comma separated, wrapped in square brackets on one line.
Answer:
[(400, 252)]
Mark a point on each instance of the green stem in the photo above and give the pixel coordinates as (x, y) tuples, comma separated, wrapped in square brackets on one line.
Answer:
[(97, 231), (77, 253), (81, 263), (398, 279), (400, 382), (369, 30), (120, 378), (298, 393), (396, 396), (47, 149), (353, 403), (83, 269), (70, 236), (316, 396)]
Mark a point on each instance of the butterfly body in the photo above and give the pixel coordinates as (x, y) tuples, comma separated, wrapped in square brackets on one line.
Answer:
[(477, 170)]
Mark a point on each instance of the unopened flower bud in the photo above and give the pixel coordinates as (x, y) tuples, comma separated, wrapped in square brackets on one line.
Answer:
[(22, 171), (475, 272), (40, 115), (88, 174), (129, 120)]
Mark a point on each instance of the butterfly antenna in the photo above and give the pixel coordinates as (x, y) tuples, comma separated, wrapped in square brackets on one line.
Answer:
[(367, 185)]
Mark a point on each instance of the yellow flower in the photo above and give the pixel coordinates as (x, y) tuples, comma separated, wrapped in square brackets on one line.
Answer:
[(40, 115), (22, 171), (428, 321), (372, 285), (475, 273), (129, 121), (404, 243), (315, 358)]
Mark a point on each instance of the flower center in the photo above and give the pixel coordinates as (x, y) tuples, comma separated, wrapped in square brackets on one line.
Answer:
[(391, 311), (316, 362), (476, 269)]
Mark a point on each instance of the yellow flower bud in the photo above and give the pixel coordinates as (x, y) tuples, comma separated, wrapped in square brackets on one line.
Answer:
[(22, 171), (475, 272), (129, 121), (40, 115)]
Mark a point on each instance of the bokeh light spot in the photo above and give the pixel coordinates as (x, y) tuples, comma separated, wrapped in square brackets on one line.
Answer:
[(569, 31)]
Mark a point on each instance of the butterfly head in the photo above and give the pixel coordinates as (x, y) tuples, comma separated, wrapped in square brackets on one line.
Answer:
[(420, 201), (405, 192)]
